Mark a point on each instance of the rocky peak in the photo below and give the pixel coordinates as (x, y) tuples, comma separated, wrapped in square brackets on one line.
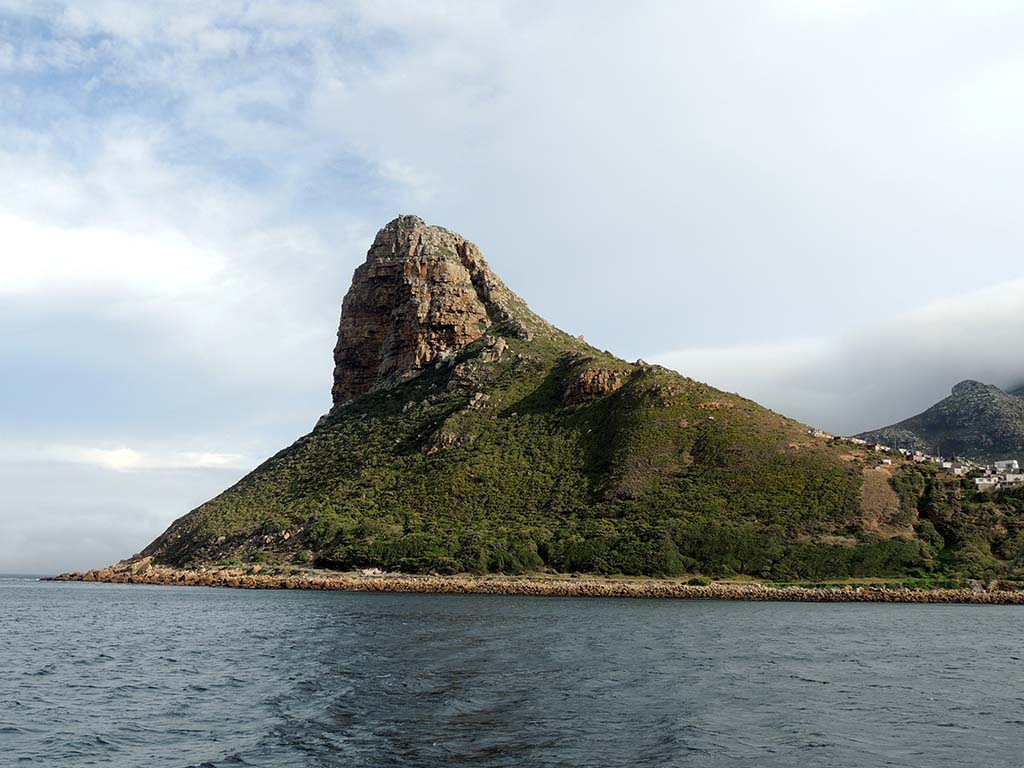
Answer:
[(977, 420), (423, 293), (972, 388)]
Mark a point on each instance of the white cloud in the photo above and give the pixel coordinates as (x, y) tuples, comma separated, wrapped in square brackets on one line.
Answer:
[(43, 259), (122, 458), (215, 273), (118, 459)]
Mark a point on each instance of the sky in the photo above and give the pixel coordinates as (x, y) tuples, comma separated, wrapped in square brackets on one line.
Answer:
[(815, 204)]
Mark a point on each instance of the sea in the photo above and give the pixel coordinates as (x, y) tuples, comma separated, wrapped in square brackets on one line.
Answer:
[(151, 676)]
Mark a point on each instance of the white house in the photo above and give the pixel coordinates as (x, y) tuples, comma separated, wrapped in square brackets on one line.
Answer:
[(1010, 465)]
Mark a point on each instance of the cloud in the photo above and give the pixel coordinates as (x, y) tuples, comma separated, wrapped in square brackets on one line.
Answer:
[(213, 272), (74, 516), (121, 458), (124, 459), (90, 259), (881, 372)]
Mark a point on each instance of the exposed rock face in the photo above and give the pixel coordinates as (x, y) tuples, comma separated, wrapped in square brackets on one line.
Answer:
[(977, 421), (592, 384), (422, 293), (494, 348)]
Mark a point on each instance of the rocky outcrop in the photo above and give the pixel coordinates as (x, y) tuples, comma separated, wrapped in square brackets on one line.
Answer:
[(591, 384), (977, 420), (494, 348), (423, 293)]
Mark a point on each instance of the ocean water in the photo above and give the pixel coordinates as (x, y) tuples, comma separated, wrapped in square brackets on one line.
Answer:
[(113, 675)]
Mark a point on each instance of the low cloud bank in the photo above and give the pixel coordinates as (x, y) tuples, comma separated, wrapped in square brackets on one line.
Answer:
[(890, 368), (59, 517)]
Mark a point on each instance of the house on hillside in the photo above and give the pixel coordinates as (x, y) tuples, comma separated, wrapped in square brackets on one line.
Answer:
[(1010, 465)]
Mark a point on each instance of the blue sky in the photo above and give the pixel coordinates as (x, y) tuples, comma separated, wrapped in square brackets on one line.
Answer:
[(815, 204)]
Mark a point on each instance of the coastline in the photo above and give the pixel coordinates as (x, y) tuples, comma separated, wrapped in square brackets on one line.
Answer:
[(257, 577)]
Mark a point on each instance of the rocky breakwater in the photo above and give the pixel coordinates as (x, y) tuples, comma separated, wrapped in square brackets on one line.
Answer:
[(144, 571)]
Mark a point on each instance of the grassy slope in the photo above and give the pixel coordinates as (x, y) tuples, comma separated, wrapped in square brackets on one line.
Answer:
[(664, 476)]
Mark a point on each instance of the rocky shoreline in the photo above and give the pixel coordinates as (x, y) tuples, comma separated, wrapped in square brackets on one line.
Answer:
[(256, 577)]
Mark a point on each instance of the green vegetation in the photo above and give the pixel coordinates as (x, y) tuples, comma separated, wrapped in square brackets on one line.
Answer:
[(661, 476)]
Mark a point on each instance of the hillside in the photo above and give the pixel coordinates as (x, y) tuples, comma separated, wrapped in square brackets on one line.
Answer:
[(469, 435), (976, 421)]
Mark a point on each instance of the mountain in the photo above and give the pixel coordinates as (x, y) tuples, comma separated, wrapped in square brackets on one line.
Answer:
[(467, 434), (1018, 392), (976, 421)]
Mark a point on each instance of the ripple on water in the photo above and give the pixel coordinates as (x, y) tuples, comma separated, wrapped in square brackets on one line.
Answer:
[(125, 676)]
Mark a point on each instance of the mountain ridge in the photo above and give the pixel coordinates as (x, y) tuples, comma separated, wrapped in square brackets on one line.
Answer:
[(467, 434), (976, 420)]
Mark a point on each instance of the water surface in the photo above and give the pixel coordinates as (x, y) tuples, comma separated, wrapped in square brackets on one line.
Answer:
[(116, 675)]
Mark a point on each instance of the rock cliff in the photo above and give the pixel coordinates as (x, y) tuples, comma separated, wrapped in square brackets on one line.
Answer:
[(422, 294)]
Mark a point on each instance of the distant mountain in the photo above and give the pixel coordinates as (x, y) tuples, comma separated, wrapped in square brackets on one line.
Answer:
[(1019, 391), (977, 421)]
